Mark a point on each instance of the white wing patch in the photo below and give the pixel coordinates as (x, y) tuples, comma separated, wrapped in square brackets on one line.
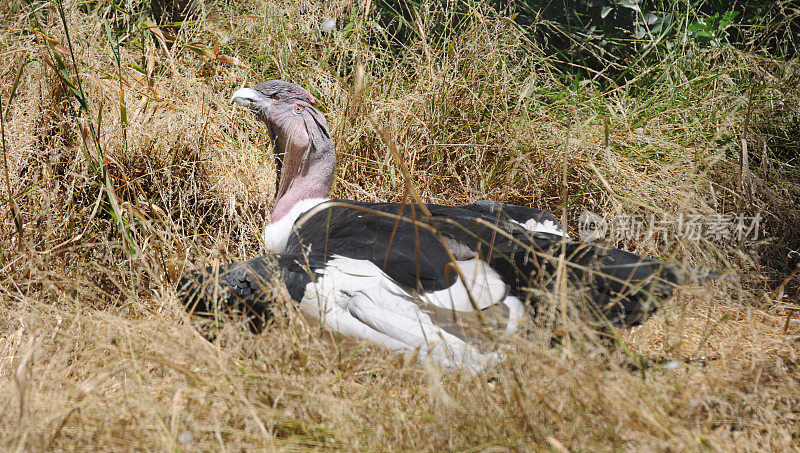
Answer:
[(483, 283), (356, 299), (547, 226)]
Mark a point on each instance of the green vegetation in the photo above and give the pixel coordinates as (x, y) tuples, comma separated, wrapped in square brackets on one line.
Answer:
[(123, 164)]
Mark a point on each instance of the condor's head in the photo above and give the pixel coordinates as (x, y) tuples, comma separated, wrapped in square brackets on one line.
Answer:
[(305, 154)]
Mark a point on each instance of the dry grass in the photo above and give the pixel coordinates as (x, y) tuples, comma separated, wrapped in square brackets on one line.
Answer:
[(96, 352)]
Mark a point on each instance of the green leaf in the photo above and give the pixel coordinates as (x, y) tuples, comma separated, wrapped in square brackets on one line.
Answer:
[(727, 19), (20, 66), (630, 4), (123, 109), (137, 68), (655, 29), (605, 11), (696, 26)]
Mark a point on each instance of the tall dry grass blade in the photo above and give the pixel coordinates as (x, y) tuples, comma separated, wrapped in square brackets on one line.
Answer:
[(15, 84), (561, 269), (159, 36), (21, 376), (13, 211), (175, 416), (123, 110), (745, 179)]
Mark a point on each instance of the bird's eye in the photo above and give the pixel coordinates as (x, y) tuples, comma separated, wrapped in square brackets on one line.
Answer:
[(273, 96), (298, 109)]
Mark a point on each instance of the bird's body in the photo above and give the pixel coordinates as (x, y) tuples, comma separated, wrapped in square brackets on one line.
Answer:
[(444, 281)]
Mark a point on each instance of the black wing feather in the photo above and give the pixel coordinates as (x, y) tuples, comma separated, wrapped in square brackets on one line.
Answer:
[(411, 255), (244, 288), (622, 286)]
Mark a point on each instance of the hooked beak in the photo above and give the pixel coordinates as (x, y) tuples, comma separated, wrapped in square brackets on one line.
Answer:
[(256, 102), (250, 98)]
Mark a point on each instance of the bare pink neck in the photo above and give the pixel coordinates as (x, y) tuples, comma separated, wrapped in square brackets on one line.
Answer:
[(304, 179), (308, 165), (301, 188)]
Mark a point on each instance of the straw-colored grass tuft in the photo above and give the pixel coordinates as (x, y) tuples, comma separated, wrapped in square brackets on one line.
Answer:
[(103, 207)]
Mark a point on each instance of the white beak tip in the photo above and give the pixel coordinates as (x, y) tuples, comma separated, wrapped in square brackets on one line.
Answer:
[(245, 97)]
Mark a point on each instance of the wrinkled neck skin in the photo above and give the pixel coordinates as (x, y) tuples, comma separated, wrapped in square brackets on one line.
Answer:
[(307, 170)]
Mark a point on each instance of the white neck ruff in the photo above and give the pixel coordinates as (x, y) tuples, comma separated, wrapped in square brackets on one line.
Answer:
[(276, 234)]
